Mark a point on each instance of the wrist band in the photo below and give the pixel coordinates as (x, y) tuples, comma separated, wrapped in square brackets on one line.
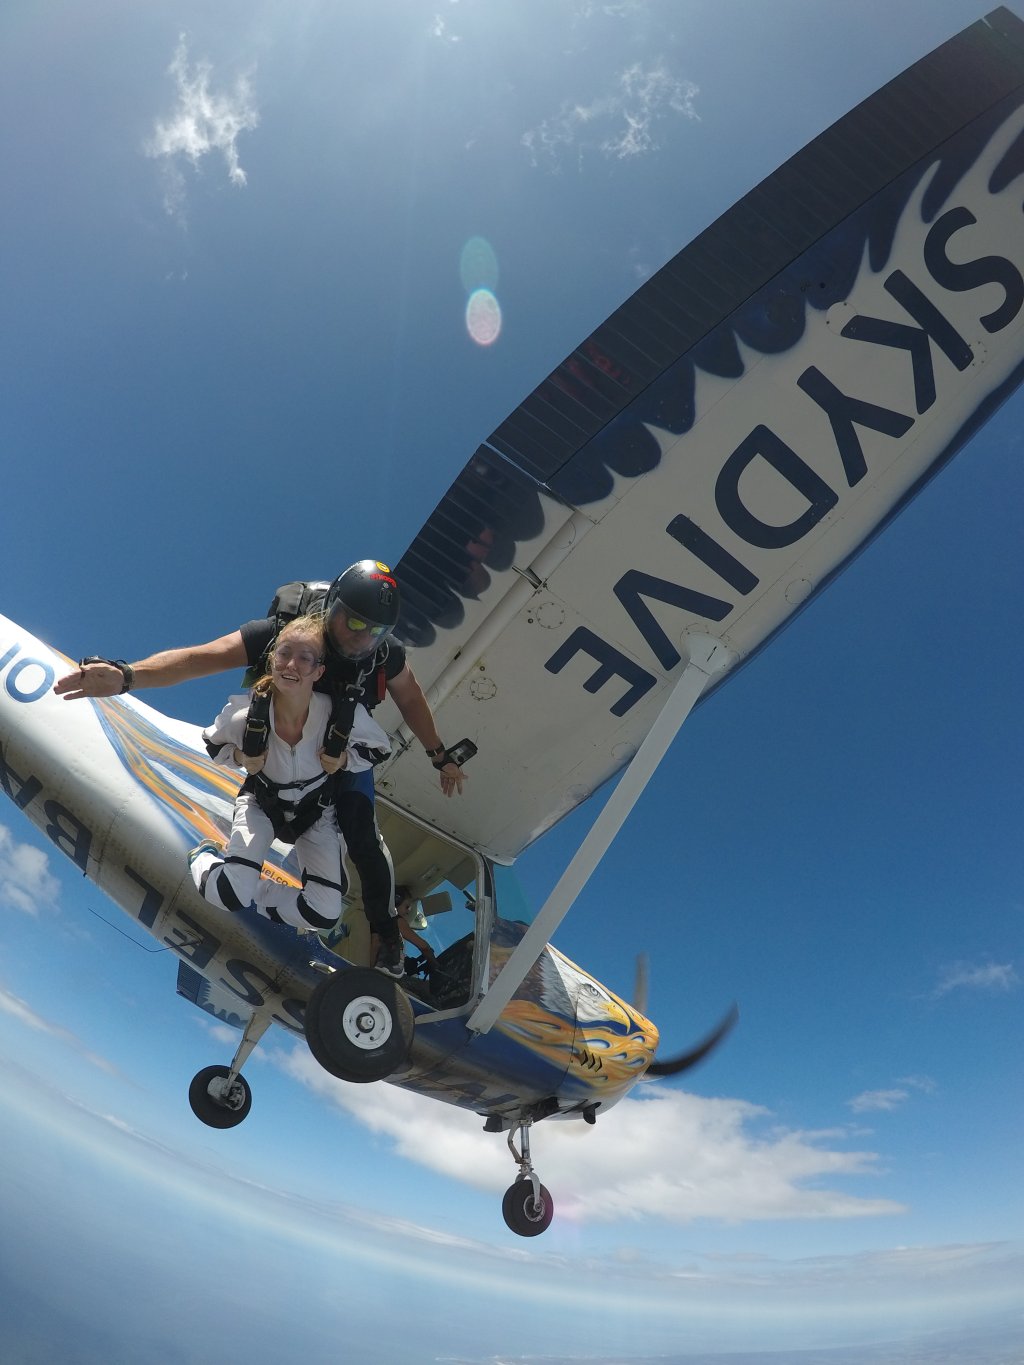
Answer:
[(127, 672)]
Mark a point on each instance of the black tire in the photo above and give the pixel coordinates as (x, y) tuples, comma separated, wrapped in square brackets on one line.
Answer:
[(524, 1215), (359, 1025), (217, 1113)]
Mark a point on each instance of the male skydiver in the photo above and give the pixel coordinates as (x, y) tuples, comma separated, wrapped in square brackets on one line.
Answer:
[(361, 609)]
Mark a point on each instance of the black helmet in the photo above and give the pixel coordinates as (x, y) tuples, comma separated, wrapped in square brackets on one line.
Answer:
[(365, 593)]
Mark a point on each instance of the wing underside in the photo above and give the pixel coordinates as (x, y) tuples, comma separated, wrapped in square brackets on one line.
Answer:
[(714, 453)]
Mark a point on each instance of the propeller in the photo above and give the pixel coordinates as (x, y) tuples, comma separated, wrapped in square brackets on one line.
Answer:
[(674, 1065), (640, 983)]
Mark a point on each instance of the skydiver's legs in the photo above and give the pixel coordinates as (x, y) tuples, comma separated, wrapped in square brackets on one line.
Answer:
[(318, 904), (232, 881), (357, 822)]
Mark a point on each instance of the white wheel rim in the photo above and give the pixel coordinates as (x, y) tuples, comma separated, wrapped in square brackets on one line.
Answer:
[(227, 1096), (366, 1023)]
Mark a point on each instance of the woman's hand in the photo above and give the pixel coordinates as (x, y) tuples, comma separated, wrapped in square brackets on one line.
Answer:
[(333, 765), (252, 763)]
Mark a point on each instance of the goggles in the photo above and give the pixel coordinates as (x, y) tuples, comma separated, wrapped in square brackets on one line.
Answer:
[(303, 657)]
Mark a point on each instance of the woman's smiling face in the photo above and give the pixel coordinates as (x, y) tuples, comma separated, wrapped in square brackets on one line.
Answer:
[(297, 661)]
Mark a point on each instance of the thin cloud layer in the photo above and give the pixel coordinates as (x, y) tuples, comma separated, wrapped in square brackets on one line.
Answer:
[(621, 124), (16, 1008), (884, 1101), (26, 882), (203, 121), (993, 977), (668, 1155)]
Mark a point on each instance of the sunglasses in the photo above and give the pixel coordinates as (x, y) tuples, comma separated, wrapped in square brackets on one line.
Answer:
[(358, 627)]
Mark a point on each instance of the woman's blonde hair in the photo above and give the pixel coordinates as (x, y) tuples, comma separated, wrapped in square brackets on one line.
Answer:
[(309, 627)]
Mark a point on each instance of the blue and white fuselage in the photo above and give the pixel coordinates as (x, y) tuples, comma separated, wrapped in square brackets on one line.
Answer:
[(124, 792)]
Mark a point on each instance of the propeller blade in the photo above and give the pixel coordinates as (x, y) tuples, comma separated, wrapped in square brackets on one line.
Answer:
[(674, 1065), (640, 983)]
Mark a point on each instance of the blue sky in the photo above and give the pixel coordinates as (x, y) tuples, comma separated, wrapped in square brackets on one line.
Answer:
[(235, 351)]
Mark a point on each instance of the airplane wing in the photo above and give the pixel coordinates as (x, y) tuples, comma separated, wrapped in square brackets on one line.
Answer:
[(723, 445)]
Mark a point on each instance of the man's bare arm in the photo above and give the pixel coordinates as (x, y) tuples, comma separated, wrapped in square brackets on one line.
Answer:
[(409, 698), (165, 669)]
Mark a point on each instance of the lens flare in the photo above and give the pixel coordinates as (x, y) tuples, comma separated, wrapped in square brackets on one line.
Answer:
[(478, 265), (483, 317)]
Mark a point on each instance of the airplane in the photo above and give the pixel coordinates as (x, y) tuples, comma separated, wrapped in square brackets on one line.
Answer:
[(664, 502)]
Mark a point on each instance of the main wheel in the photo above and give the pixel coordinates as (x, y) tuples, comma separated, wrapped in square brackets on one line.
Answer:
[(522, 1213), (214, 1108), (359, 1025)]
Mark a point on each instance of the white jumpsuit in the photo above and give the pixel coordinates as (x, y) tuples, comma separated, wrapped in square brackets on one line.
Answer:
[(233, 880)]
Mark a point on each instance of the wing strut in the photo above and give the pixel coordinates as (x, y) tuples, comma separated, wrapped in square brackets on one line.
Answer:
[(707, 656)]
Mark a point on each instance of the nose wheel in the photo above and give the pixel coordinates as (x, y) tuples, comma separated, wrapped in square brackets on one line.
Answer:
[(219, 1099), (219, 1096), (527, 1207)]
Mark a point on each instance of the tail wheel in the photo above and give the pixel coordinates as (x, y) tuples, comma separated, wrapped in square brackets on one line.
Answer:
[(359, 1025), (216, 1104), (523, 1213)]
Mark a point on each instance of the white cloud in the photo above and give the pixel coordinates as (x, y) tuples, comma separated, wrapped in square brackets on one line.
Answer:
[(886, 1100), (869, 1100), (204, 121), (439, 29), (992, 976), (618, 125), (26, 881), (668, 1155), (18, 1009)]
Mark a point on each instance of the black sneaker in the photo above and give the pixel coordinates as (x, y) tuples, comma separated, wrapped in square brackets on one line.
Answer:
[(391, 956)]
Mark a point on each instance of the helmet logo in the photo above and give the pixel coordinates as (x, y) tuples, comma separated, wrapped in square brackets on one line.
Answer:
[(384, 568)]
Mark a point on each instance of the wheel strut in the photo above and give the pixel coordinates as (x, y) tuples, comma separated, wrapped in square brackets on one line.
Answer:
[(259, 1022), (522, 1157)]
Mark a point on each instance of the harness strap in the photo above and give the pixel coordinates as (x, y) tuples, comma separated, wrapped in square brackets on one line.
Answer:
[(244, 862), (289, 818), (342, 718), (323, 881), (256, 735), (344, 701)]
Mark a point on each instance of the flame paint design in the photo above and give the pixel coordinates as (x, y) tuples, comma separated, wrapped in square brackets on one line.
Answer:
[(569, 1020), (178, 777)]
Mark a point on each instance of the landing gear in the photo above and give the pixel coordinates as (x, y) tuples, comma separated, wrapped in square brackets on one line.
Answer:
[(359, 1025), (527, 1206), (526, 1213), (218, 1099), (219, 1095)]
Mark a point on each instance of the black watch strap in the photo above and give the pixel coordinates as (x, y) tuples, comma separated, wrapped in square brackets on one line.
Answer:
[(127, 672)]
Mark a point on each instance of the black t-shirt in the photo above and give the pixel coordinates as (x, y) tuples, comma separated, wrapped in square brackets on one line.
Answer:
[(257, 637)]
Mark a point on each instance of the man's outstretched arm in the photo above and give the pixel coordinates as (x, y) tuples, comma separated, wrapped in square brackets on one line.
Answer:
[(409, 698), (165, 669)]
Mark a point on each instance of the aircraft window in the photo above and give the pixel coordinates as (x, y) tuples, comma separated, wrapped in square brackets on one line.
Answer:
[(446, 920), (512, 917), (512, 903), (446, 915)]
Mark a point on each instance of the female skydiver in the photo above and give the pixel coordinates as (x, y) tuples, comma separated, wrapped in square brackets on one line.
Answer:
[(288, 792)]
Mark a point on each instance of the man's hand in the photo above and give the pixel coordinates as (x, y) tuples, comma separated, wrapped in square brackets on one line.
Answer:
[(92, 680), (452, 778)]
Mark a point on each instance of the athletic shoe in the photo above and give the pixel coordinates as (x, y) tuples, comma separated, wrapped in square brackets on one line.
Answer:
[(206, 846), (202, 860), (391, 956)]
